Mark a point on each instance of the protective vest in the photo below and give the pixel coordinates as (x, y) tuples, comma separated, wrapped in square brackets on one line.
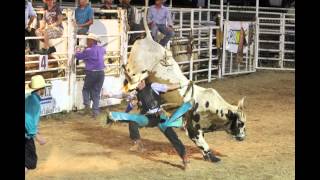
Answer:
[(148, 98)]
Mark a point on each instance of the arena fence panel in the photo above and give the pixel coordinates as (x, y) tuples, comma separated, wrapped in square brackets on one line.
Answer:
[(197, 47)]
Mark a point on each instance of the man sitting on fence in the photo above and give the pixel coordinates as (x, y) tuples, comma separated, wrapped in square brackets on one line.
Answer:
[(54, 29), (159, 19), (32, 116), (93, 58), (84, 17)]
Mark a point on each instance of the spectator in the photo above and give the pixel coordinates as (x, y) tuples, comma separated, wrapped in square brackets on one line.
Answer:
[(93, 58), (125, 4), (30, 15), (131, 16), (159, 19), (51, 26), (32, 116), (84, 17), (107, 5), (201, 4)]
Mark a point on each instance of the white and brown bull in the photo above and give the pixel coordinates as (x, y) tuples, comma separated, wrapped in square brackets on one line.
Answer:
[(210, 111)]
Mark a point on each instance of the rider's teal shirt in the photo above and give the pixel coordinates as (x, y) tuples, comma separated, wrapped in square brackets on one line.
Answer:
[(32, 114)]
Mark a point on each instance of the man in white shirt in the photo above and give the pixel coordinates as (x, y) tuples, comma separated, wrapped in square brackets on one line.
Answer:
[(159, 19)]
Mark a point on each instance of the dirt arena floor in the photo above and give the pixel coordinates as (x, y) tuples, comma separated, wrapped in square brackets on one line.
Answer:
[(80, 148)]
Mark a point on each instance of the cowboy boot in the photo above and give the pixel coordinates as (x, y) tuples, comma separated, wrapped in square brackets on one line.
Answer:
[(85, 111), (137, 146), (185, 162)]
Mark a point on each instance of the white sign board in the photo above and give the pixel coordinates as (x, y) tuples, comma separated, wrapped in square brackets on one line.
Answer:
[(55, 98), (233, 35), (43, 62)]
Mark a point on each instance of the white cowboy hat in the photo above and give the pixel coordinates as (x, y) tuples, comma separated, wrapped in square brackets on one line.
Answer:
[(136, 79), (93, 36), (37, 82)]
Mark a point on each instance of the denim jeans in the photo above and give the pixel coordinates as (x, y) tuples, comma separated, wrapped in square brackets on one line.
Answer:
[(169, 133), (163, 29), (91, 89)]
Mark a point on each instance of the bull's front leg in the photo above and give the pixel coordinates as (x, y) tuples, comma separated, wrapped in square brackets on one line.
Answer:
[(197, 136)]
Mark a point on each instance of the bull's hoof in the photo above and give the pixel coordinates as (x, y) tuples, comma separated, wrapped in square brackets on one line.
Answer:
[(211, 157), (108, 121)]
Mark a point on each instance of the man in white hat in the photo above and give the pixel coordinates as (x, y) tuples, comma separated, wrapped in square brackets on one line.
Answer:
[(93, 57), (32, 116), (151, 114)]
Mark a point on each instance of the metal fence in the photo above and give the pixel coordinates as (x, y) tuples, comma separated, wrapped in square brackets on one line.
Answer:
[(195, 48)]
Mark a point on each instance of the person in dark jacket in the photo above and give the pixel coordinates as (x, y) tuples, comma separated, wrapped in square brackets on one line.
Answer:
[(151, 113)]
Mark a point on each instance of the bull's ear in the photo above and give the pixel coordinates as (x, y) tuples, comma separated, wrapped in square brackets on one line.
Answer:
[(241, 103)]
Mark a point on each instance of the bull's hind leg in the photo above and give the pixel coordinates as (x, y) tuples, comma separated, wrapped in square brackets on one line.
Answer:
[(197, 136)]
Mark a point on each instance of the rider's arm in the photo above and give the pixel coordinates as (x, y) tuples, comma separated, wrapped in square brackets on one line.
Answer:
[(167, 87), (164, 87)]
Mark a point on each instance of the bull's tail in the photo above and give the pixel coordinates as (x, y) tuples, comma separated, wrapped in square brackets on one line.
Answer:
[(145, 24)]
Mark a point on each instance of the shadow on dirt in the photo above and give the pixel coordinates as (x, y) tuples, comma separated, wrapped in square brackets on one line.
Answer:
[(120, 141)]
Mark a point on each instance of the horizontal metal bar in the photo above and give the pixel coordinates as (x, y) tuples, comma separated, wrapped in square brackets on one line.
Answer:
[(37, 55), (268, 41), (280, 69), (195, 61), (236, 73), (101, 35), (289, 51), (289, 60), (49, 79), (270, 30), (267, 58), (49, 60), (270, 50), (290, 25), (40, 37), (286, 42), (269, 18), (269, 24), (263, 32), (51, 69)]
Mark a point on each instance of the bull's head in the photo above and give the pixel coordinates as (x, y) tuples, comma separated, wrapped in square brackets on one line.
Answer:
[(237, 121)]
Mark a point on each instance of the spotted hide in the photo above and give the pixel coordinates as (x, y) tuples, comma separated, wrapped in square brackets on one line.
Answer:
[(210, 111)]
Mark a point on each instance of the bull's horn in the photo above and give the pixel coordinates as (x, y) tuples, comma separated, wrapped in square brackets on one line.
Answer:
[(146, 27)]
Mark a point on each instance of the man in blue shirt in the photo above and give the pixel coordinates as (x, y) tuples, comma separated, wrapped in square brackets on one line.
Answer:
[(32, 116), (159, 19), (84, 17)]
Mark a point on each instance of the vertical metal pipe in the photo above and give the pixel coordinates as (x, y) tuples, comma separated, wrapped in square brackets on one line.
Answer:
[(210, 53)]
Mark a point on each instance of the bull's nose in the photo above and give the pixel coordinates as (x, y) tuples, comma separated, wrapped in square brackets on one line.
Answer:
[(239, 138)]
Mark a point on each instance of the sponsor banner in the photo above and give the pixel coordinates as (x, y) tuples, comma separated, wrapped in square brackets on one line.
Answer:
[(233, 35)]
